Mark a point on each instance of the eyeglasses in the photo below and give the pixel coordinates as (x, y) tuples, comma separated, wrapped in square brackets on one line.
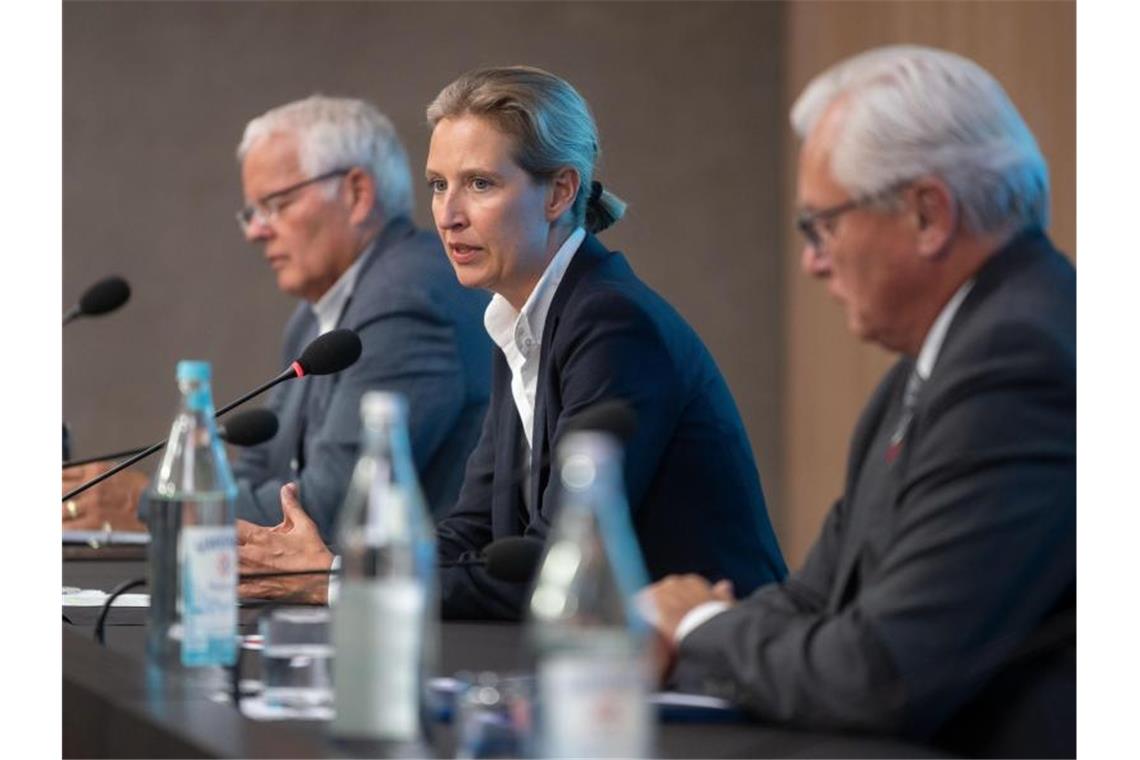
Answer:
[(266, 208), (815, 225)]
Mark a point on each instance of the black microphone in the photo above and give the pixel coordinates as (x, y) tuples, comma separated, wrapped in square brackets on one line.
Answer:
[(514, 558), (243, 429), (511, 558), (249, 428), (331, 352), (104, 296)]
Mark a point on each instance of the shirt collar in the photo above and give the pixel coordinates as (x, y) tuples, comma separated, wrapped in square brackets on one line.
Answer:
[(507, 326), (328, 307), (932, 344)]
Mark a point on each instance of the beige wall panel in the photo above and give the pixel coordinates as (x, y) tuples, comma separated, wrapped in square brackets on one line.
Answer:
[(1031, 48)]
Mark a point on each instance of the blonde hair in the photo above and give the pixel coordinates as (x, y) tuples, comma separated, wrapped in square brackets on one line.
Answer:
[(551, 125)]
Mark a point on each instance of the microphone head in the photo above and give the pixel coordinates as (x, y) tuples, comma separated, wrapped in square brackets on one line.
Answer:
[(106, 295), (249, 428), (612, 416), (513, 559), (331, 352)]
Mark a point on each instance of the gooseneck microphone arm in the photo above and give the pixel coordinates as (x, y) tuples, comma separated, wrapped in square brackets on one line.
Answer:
[(286, 375), (243, 429), (329, 353)]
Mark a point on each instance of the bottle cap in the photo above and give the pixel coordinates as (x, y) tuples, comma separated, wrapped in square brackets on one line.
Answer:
[(192, 370)]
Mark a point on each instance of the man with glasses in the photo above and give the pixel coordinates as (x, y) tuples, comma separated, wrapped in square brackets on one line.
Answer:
[(937, 603), (329, 202)]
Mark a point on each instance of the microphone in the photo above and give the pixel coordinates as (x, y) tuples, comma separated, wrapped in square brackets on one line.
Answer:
[(249, 428), (511, 558), (329, 353), (243, 429), (104, 296)]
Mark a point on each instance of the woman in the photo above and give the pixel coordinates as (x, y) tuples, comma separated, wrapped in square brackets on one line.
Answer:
[(511, 172)]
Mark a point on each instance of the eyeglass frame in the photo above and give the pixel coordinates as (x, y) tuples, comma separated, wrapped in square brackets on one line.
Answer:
[(806, 220), (257, 210)]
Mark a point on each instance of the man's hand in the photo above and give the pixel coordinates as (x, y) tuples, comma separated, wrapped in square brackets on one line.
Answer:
[(293, 544), (668, 601), (113, 503)]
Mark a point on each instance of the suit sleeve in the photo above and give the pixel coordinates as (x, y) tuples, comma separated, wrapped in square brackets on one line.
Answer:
[(468, 592), (982, 546), (407, 349)]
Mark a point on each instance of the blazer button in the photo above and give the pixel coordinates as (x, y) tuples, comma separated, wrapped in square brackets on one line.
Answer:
[(294, 465)]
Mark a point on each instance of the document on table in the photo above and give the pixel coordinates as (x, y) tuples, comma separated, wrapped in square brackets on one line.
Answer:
[(90, 597), (106, 537)]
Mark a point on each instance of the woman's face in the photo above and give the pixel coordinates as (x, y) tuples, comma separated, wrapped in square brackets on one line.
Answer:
[(495, 221)]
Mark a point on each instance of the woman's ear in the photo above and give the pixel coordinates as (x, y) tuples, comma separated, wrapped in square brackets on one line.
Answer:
[(563, 190)]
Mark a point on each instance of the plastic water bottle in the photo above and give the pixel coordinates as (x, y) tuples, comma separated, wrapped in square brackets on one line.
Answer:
[(193, 542), (385, 616), (594, 666)]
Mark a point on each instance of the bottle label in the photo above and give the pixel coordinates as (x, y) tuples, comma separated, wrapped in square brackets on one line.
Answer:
[(378, 632), (208, 557), (594, 706)]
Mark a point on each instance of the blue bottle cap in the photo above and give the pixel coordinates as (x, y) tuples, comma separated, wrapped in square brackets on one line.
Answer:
[(191, 370)]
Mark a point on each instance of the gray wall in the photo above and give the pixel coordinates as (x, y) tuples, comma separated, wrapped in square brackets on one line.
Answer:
[(688, 101)]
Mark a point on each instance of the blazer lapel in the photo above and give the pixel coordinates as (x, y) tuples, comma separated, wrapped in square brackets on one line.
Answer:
[(547, 404), (505, 506)]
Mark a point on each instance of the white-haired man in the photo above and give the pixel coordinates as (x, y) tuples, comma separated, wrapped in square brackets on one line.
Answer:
[(329, 199), (937, 603)]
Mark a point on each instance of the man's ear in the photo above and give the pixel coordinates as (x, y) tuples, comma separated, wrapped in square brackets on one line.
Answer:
[(935, 214), (360, 190), (563, 190)]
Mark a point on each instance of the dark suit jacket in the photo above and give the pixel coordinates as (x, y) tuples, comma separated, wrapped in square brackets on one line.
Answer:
[(692, 483), (423, 337), (954, 578)]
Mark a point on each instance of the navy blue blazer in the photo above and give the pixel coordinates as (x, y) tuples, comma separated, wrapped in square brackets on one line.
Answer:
[(693, 488), (938, 601), (423, 336)]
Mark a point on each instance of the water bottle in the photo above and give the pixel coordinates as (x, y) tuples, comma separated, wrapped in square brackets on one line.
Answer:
[(385, 616), (192, 555), (593, 662)]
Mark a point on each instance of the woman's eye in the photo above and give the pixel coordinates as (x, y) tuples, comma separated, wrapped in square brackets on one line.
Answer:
[(437, 185), (479, 183)]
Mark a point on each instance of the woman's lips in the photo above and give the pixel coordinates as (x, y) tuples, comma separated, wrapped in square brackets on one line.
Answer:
[(464, 254)]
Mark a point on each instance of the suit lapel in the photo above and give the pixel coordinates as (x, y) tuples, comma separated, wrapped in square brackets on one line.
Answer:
[(505, 506), (547, 403), (861, 518)]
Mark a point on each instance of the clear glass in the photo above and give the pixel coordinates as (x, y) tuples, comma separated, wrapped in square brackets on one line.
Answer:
[(385, 618), (594, 665), (297, 657), (192, 556), (494, 716)]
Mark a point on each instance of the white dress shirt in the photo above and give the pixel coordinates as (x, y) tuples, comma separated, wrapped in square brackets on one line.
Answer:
[(924, 365), (519, 333), (328, 307)]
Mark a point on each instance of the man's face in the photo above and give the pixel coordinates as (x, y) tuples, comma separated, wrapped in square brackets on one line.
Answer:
[(867, 256), (308, 242)]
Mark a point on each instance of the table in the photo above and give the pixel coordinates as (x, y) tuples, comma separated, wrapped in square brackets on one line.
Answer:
[(114, 705)]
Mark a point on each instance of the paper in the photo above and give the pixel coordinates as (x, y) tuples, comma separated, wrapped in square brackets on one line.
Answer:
[(90, 597), (106, 537)]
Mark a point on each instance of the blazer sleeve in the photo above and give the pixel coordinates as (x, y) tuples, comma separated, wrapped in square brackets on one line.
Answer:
[(981, 547), (408, 349), (468, 592)]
